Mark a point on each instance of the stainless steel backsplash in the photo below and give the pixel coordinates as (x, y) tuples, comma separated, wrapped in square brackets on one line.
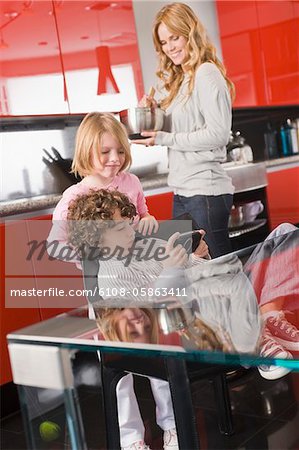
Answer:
[(25, 174)]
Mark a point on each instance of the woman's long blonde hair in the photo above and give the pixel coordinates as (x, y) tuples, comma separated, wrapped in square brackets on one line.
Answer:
[(182, 21)]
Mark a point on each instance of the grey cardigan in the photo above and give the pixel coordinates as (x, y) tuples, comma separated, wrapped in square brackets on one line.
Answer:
[(196, 132)]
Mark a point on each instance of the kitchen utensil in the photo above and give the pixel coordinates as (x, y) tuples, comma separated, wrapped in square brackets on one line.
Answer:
[(174, 319), (141, 119), (51, 159), (238, 150), (64, 164), (148, 100), (236, 218), (235, 154), (152, 92), (251, 210)]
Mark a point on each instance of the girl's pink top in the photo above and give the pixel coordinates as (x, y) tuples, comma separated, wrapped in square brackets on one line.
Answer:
[(125, 182)]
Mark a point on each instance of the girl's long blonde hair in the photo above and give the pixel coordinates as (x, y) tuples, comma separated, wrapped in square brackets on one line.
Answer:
[(107, 319), (181, 20), (89, 140)]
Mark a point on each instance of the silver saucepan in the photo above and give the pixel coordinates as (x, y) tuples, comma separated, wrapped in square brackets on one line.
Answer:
[(141, 119), (174, 319)]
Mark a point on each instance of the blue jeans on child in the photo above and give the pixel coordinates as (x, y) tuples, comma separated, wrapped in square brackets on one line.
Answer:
[(211, 213)]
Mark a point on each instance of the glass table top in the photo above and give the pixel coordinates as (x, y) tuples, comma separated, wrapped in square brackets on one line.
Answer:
[(163, 332), (240, 308)]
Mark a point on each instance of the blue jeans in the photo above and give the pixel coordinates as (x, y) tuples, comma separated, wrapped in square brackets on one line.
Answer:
[(211, 213)]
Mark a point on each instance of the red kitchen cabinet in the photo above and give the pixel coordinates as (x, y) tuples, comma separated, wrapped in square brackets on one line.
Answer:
[(242, 58), (22, 271), (238, 24), (235, 17), (52, 275), (160, 205), (90, 33), (283, 196), (259, 46), (16, 273), (279, 36), (31, 80), (52, 55)]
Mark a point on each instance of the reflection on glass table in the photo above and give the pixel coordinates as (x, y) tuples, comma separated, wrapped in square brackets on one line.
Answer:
[(235, 315), (136, 340)]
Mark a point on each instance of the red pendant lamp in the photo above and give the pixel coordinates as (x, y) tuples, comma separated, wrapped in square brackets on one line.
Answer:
[(106, 82)]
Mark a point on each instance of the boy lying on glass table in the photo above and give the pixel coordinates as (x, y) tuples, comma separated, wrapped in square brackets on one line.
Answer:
[(225, 298), (129, 275), (142, 325), (149, 270)]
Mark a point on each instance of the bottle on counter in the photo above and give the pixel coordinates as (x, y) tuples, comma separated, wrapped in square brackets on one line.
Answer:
[(297, 129), (271, 148), (285, 139), (294, 136)]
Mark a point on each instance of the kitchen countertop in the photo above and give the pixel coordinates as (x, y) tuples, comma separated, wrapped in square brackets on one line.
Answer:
[(152, 184), (286, 162), (48, 202)]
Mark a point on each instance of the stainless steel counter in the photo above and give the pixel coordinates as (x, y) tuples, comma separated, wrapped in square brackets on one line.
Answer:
[(288, 162), (46, 203), (245, 177)]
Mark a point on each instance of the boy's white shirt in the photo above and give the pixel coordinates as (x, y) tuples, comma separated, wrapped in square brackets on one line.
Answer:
[(224, 294)]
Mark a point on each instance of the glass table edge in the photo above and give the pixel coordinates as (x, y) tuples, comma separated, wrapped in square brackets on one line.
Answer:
[(246, 360)]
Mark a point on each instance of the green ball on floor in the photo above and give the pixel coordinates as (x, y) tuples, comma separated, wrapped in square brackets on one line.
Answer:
[(49, 431)]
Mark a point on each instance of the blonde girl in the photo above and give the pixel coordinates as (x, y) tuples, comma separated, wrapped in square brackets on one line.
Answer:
[(102, 156), (128, 324), (137, 325), (140, 325)]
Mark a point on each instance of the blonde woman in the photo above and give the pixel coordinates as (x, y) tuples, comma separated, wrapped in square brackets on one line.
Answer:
[(197, 97)]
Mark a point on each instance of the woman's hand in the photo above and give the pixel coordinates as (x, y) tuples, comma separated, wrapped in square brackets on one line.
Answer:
[(147, 225), (177, 255), (147, 101), (150, 135), (202, 251)]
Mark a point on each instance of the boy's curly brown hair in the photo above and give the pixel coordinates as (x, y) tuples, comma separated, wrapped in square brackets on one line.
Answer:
[(90, 214)]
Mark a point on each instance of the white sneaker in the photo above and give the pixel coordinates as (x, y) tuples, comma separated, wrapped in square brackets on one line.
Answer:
[(272, 349), (170, 440), (139, 445)]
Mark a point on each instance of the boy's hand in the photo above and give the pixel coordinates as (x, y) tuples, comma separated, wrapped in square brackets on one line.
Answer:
[(202, 251), (177, 256), (147, 225)]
